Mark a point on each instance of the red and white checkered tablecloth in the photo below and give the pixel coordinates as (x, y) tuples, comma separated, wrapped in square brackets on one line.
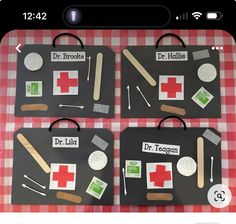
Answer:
[(117, 40)]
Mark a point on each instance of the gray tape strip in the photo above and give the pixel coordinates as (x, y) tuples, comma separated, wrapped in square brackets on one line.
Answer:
[(197, 55), (211, 136), (99, 142), (101, 108)]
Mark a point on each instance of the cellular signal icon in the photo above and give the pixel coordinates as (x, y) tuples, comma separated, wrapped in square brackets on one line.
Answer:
[(196, 15), (183, 16)]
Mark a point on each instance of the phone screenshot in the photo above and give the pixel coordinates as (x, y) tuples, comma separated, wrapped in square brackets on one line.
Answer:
[(116, 110)]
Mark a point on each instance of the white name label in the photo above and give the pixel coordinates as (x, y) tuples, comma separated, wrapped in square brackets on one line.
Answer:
[(68, 56), (65, 142), (161, 148), (172, 56)]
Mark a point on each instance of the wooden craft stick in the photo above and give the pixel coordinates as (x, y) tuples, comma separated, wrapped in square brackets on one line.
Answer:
[(159, 196), (98, 77), (173, 110), (33, 152), (34, 107), (200, 162), (139, 67), (69, 197)]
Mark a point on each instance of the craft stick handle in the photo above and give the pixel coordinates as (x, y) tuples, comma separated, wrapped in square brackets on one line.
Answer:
[(159, 196), (200, 162), (33, 152), (69, 197), (139, 67), (98, 77), (34, 107)]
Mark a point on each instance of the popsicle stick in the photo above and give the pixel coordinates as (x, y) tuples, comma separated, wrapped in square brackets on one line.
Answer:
[(139, 67), (34, 107), (200, 162), (33, 152), (98, 77), (159, 196), (173, 110), (69, 197)]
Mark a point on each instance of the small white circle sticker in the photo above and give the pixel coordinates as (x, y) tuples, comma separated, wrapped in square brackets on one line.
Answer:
[(207, 72), (33, 61), (219, 196), (186, 166), (97, 160)]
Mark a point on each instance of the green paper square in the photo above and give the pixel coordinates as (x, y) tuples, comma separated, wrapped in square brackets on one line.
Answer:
[(33, 89), (133, 169)]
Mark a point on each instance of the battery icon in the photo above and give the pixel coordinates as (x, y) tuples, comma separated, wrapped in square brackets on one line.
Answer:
[(214, 15)]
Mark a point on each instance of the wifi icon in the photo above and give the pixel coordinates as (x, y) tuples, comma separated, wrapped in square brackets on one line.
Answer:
[(196, 15)]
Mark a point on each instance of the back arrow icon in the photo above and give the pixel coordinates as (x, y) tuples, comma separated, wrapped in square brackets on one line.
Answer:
[(17, 48)]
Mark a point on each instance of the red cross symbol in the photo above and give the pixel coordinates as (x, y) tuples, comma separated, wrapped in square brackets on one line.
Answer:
[(64, 82), (63, 176), (160, 176), (171, 87)]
